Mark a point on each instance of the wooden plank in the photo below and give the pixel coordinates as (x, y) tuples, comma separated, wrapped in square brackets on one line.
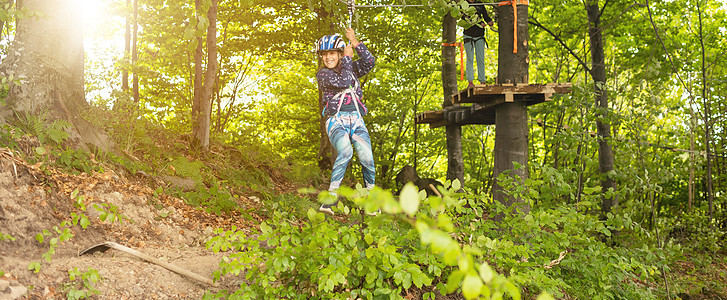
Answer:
[(437, 124), (486, 106), (508, 97)]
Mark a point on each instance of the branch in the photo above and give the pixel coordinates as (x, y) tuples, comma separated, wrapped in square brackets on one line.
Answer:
[(562, 43), (622, 13), (668, 56)]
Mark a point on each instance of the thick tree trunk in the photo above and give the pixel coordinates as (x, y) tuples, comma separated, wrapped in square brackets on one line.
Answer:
[(204, 83), (455, 169), (47, 58), (598, 74), (511, 118)]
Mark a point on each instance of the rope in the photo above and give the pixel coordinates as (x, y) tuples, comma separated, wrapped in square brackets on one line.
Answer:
[(514, 4), (351, 7)]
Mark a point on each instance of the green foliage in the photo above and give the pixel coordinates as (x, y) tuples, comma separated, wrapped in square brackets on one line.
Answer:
[(216, 199), (47, 132), (6, 237), (9, 136), (110, 213), (589, 266), (189, 169), (375, 258), (697, 232), (59, 234), (81, 285), (77, 161)]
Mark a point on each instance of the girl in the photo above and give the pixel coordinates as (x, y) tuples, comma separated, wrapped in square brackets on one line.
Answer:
[(342, 95)]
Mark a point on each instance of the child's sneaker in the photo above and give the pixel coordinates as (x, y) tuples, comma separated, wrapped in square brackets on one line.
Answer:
[(326, 209)]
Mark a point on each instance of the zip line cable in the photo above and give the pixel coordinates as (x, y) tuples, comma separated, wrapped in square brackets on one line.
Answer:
[(406, 5)]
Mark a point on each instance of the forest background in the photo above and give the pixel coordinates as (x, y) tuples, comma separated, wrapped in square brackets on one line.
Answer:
[(250, 65)]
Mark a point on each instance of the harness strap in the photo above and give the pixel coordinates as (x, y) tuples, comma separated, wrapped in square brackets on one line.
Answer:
[(342, 94)]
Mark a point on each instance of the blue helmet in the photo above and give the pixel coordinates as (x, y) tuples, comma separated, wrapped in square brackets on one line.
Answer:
[(330, 42)]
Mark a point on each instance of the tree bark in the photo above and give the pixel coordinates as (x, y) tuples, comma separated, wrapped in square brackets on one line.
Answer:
[(127, 49), (326, 153), (204, 82), (47, 58), (135, 53), (511, 126), (455, 169), (707, 120), (598, 74)]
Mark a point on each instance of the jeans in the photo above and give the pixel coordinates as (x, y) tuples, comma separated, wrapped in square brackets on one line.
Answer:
[(473, 48), (347, 131)]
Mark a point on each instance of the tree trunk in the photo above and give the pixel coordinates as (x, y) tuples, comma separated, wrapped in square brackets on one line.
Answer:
[(326, 153), (127, 49), (598, 74), (47, 58), (135, 53), (455, 169), (511, 118), (204, 82), (707, 120)]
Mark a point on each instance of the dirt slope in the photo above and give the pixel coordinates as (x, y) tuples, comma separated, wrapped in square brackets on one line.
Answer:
[(34, 199)]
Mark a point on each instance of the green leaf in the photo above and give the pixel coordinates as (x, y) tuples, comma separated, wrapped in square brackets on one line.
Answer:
[(265, 228), (40, 150), (311, 214), (84, 222), (456, 185), (486, 272), (34, 266), (369, 239), (445, 222), (409, 198), (471, 286)]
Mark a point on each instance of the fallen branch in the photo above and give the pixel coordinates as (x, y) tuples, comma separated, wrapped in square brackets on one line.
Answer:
[(108, 245)]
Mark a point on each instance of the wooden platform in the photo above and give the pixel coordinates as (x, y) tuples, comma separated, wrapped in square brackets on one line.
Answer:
[(484, 99)]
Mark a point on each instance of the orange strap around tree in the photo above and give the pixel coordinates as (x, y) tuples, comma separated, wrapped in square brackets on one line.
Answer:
[(514, 4), (461, 57)]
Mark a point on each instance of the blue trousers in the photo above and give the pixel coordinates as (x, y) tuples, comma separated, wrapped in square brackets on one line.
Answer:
[(347, 131), (472, 49)]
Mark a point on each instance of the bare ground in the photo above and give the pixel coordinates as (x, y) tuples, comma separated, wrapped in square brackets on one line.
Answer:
[(34, 199)]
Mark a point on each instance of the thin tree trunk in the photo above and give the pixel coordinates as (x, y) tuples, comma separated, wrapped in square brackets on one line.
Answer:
[(326, 153), (135, 53), (127, 49), (598, 74), (707, 122), (204, 82)]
